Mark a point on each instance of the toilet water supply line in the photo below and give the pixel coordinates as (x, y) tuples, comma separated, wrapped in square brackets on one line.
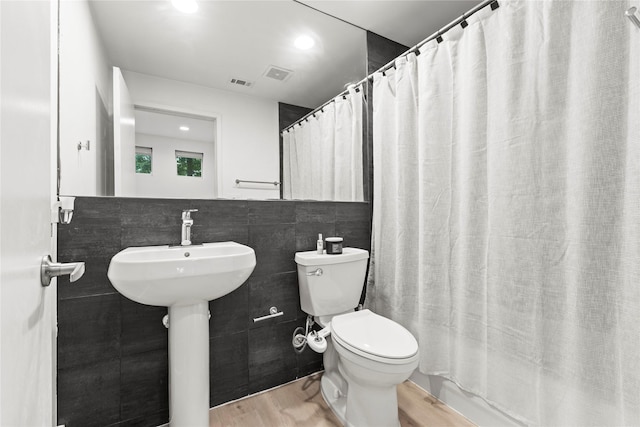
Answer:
[(316, 340), (299, 340)]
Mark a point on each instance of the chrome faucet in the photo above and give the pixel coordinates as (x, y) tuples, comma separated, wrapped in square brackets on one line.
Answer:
[(187, 222)]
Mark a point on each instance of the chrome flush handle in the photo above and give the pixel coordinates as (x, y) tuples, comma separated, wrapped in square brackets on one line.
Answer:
[(316, 272)]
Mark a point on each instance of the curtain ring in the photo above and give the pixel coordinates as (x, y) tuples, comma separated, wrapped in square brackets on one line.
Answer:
[(464, 23), (439, 38)]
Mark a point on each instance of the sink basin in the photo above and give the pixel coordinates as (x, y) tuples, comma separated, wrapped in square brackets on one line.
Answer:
[(180, 275), (184, 278)]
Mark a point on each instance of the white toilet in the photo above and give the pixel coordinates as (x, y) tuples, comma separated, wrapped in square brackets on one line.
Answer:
[(365, 355)]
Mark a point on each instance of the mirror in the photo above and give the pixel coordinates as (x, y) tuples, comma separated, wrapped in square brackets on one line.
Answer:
[(126, 65)]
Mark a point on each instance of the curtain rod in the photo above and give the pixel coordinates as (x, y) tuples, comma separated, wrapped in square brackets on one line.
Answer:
[(313, 112), (438, 34)]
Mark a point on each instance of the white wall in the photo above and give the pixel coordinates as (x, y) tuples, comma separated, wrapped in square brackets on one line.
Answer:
[(248, 143), (124, 138), (85, 78), (164, 180)]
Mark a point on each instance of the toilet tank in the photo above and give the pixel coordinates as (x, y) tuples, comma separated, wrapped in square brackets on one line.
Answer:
[(331, 284)]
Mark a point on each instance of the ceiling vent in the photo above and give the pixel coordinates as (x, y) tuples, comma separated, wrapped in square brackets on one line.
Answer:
[(278, 73), (240, 82)]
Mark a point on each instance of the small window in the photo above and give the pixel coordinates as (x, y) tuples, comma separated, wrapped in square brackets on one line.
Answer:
[(189, 164), (143, 160)]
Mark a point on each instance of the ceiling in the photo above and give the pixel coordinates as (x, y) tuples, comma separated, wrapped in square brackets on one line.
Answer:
[(175, 126), (241, 40), (406, 22)]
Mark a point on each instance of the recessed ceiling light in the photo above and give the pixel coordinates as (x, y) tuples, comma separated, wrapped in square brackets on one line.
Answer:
[(186, 6), (304, 42), (184, 128)]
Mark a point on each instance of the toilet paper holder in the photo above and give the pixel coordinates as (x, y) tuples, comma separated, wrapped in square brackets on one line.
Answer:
[(273, 312)]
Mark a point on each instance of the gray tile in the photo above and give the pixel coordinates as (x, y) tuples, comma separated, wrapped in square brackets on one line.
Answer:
[(356, 234), (150, 236), (89, 395), (272, 360), (353, 211), (88, 330), (229, 371), (311, 368), (238, 233), (219, 213), (142, 328), (316, 212), (144, 384), (76, 242), (272, 212), (275, 248), (267, 381), (95, 211), (230, 314), (143, 212)]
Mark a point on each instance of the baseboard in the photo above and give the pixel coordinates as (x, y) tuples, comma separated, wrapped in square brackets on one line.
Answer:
[(472, 407)]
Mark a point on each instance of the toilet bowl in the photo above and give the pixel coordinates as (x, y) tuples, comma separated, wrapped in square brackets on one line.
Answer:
[(375, 354), (365, 355)]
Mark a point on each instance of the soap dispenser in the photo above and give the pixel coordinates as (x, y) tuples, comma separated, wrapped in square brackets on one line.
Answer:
[(319, 244)]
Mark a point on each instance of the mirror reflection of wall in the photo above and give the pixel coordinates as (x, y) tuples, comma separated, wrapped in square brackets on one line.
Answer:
[(181, 63), (175, 154)]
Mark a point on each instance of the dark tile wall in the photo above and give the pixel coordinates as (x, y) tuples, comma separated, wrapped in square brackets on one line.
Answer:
[(287, 115), (112, 352)]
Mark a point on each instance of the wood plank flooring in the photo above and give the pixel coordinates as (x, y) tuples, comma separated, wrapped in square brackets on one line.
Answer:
[(300, 404)]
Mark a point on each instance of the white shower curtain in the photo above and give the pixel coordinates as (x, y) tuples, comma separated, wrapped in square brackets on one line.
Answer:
[(322, 156), (507, 209)]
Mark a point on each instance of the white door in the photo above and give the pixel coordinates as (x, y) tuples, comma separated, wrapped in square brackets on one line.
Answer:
[(28, 111), (124, 137)]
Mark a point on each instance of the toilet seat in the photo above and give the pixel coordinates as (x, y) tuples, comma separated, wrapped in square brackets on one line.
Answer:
[(374, 337)]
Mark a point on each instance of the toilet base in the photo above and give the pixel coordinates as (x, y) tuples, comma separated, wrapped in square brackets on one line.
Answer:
[(367, 407), (336, 401), (351, 402), (332, 384)]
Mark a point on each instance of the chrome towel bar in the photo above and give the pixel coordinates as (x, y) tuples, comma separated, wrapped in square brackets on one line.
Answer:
[(273, 312), (275, 183)]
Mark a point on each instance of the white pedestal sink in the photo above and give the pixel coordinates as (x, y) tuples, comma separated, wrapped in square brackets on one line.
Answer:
[(184, 278)]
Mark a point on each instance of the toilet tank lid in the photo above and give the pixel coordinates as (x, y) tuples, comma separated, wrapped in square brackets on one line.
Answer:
[(314, 258)]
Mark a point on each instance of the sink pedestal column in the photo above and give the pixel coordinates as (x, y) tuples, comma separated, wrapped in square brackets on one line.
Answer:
[(189, 365)]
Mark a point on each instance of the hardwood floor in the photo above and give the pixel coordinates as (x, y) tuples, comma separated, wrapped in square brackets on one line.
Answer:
[(300, 403)]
